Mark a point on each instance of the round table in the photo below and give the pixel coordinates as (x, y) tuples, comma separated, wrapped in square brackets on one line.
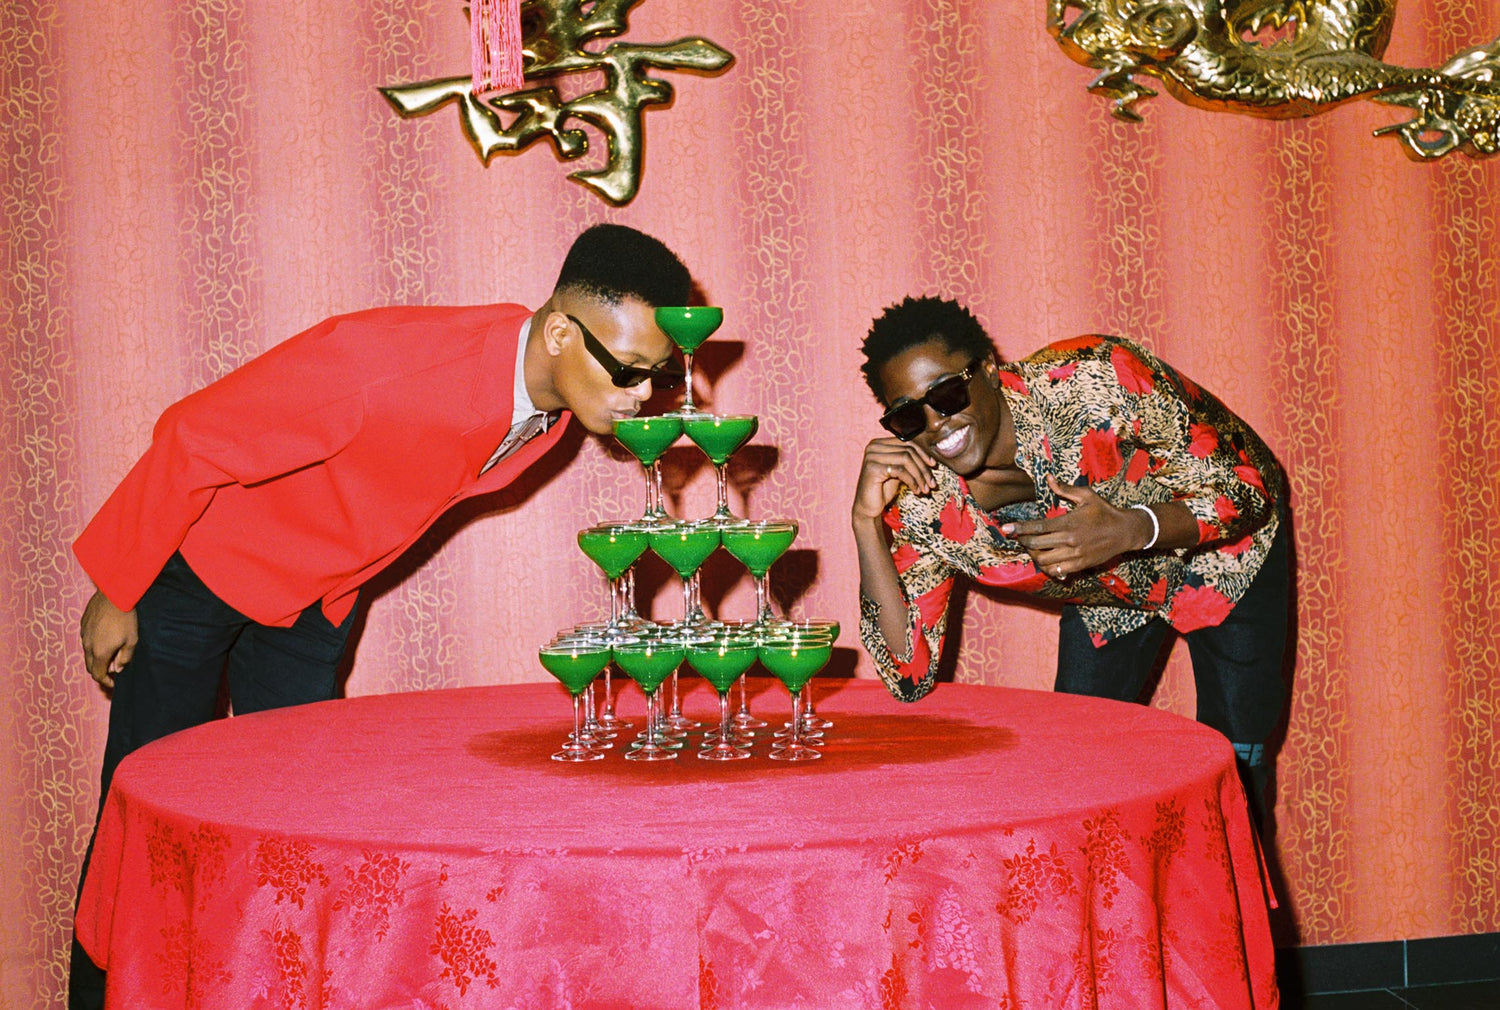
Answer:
[(985, 847)]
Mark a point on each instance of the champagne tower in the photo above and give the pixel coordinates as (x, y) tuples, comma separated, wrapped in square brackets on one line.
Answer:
[(719, 649)]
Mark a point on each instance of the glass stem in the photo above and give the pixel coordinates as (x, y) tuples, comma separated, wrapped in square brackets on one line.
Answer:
[(652, 488), (687, 396), (577, 742), (723, 481), (796, 741), (724, 721), (629, 591), (609, 696), (653, 721), (614, 602), (762, 599)]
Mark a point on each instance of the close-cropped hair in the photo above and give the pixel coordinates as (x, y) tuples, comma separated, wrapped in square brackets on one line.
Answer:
[(612, 262), (912, 322)]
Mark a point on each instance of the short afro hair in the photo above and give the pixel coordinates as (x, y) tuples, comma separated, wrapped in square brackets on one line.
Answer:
[(915, 321), (611, 262)]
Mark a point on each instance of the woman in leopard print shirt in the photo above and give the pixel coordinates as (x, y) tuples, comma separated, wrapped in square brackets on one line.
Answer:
[(1091, 473)]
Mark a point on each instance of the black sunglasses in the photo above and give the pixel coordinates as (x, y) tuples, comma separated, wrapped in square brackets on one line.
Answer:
[(950, 394), (667, 375)]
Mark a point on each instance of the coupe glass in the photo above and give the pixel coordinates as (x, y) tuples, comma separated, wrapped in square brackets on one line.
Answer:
[(720, 438), (685, 546), (614, 547), (647, 661), (688, 326), (722, 660), (647, 438), (813, 725), (793, 657), (758, 546), (575, 662)]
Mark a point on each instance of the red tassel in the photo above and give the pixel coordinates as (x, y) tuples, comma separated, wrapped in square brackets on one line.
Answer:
[(495, 45)]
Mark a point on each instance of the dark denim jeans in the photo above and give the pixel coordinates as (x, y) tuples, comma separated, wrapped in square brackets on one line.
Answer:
[(189, 639), (1237, 665)]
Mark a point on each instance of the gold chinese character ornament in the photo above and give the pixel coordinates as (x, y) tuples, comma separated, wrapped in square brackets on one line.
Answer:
[(1281, 59), (553, 36)]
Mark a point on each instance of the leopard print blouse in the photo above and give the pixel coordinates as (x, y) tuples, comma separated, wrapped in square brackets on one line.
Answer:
[(1101, 411)]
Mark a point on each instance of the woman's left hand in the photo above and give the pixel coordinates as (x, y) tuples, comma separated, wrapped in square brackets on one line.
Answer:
[(1087, 536)]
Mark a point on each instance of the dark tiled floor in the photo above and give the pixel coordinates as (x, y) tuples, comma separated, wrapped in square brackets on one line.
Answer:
[(1459, 996)]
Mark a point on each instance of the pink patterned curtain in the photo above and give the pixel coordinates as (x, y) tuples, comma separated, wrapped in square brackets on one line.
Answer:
[(184, 184)]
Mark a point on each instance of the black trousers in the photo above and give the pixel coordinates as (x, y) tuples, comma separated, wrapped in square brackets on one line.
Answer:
[(189, 639), (1237, 666)]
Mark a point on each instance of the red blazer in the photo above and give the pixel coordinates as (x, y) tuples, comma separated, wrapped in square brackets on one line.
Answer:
[(301, 474)]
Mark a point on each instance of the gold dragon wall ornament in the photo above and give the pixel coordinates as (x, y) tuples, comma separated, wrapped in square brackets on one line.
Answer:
[(554, 33), (1281, 59)]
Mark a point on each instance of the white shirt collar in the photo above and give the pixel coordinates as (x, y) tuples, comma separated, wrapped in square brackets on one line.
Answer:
[(522, 407)]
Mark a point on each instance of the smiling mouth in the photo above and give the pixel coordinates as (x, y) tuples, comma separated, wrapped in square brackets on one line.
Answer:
[(952, 444)]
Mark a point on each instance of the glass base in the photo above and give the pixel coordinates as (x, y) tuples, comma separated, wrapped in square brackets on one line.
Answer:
[(573, 752), (723, 753), (795, 752), (651, 752), (745, 722)]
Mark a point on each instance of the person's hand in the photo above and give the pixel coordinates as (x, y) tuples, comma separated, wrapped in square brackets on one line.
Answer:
[(890, 463), (109, 635), (1089, 534)]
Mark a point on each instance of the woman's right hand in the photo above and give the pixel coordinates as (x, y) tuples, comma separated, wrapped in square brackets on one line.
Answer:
[(889, 464)]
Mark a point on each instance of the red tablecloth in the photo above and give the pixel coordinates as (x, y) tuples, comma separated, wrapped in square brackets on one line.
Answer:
[(985, 848)]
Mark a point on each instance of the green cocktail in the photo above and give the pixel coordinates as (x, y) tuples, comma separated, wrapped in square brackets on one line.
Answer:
[(793, 662), (723, 660), (720, 438), (647, 438), (685, 546), (793, 658), (688, 326), (575, 663), (575, 666), (758, 546), (648, 662), (614, 548)]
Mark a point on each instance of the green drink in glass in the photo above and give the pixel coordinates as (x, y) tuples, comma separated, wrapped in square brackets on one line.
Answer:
[(720, 438), (758, 546), (688, 326), (575, 663), (647, 438), (685, 546), (647, 662), (614, 547), (793, 658), (722, 660)]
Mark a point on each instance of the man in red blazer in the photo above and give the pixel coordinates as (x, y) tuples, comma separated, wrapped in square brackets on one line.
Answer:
[(240, 540)]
